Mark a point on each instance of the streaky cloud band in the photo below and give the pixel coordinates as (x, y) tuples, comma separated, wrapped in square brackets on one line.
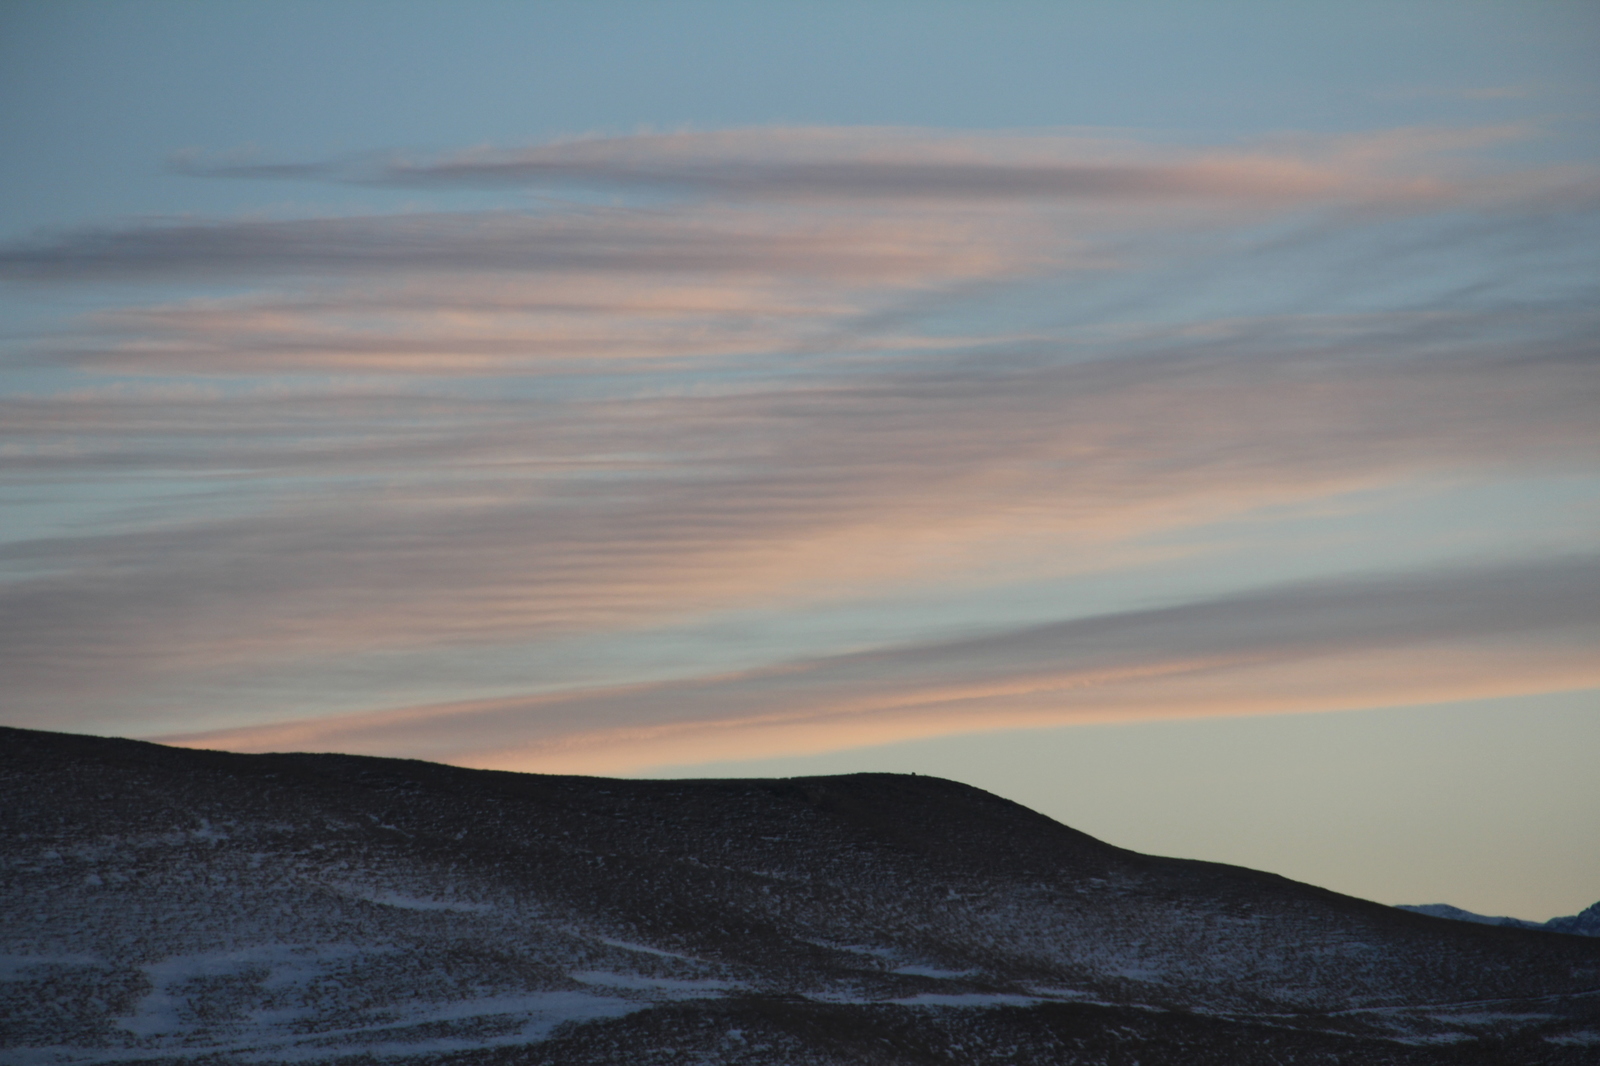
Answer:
[(1530, 626)]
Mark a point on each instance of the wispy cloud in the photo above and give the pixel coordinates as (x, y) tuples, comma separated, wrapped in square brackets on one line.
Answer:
[(1415, 638), (454, 522), (493, 242), (790, 368), (904, 165)]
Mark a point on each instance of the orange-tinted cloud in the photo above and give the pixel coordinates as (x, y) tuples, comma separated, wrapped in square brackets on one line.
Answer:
[(779, 387), (587, 516), (1508, 629)]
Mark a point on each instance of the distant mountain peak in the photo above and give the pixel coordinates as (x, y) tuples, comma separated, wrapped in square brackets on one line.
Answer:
[(1585, 923)]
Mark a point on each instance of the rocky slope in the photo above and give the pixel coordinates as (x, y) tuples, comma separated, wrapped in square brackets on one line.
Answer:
[(159, 904)]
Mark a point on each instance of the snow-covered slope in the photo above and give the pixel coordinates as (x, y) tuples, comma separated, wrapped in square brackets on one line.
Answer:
[(165, 904)]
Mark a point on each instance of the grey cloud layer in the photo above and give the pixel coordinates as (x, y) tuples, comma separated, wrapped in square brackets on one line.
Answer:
[(847, 180), (492, 242), (895, 164)]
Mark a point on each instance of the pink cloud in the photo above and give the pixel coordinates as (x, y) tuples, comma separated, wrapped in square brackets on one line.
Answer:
[(765, 393), (1513, 629)]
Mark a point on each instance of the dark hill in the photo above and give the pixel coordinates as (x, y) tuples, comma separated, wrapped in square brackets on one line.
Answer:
[(162, 904)]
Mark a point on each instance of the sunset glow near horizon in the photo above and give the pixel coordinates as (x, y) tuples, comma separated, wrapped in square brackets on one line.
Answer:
[(1066, 398)]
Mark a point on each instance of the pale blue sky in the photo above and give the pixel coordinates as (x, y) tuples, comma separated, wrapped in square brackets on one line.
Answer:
[(798, 387)]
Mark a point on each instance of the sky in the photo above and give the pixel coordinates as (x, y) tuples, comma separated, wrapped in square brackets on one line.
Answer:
[(1177, 417)]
